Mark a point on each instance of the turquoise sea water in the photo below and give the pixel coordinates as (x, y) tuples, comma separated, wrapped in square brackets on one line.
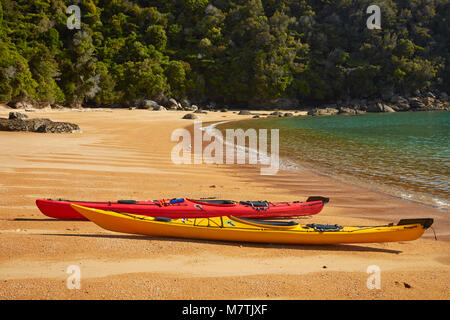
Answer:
[(406, 154)]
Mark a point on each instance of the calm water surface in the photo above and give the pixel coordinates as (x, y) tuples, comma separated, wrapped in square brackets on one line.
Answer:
[(406, 154)]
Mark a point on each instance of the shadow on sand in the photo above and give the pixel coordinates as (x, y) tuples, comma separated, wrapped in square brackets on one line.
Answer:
[(334, 247)]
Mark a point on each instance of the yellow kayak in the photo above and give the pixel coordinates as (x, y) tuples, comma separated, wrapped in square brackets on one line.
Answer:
[(239, 229)]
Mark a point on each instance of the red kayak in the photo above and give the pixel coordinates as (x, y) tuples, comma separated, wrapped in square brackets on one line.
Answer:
[(187, 208)]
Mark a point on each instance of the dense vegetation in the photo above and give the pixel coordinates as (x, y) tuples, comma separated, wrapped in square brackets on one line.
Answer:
[(227, 51)]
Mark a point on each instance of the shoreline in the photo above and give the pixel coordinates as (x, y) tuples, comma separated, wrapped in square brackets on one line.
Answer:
[(126, 154), (252, 172)]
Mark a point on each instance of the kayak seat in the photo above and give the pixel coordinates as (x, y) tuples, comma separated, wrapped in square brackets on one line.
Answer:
[(269, 223), (324, 227), (163, 219), (255, 203), (127, 201), (425, 222), (216, 201)]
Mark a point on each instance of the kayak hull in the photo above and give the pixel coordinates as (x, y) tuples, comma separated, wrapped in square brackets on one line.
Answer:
[(234, 229), (61, 209)]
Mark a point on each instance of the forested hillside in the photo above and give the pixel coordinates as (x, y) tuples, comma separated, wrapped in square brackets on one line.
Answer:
[(229, 52)]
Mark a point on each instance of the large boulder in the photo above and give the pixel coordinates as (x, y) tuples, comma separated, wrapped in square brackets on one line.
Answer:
[(17, 115), (323, 112), (162, 100), (147, 104), (244, 113), (172, 104), (387, 108), (277, 114), (379, 107), (185, 103), (347, 111), (416, 103), (159, 108), (58, 127), (399, 103)]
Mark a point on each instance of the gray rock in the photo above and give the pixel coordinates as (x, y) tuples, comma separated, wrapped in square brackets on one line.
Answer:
[(256, 117), (162, 100), (277, 114), (172, 104), (288, 114), (323, 112), (387, 108), (159, 108), (185, 103), (147, 104), (21, 105), (190, 116), (347, 111), (17, 115), (375, 107), (416, 103), (244, 112), (200, 111), (13, 125), (58, 127)]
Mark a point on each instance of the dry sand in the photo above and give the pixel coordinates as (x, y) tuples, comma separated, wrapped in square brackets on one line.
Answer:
[(125, 154)]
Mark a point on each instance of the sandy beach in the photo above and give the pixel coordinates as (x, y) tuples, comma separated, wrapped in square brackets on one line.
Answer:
[(125, 154)]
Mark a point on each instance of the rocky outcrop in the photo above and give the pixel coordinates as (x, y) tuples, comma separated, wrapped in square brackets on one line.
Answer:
[(147, 104), (58, 127), (22, 104), (379, 107), (277, 114), (17, 115), (172, 104), (432, 100), (20, 122), (323, 112)]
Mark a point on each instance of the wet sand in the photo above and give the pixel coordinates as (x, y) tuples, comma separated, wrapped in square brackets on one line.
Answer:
[(125, 154)]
